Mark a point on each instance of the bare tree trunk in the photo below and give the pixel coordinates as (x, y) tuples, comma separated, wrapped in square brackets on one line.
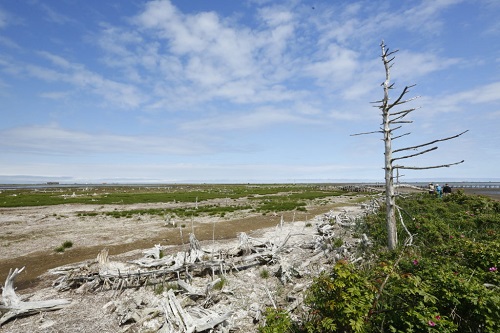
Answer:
[(390, 199), (390, 118)]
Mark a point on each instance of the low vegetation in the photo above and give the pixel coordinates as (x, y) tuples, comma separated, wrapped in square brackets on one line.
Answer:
[(262, 199), (103, 195), (445, 279), (64, 246)]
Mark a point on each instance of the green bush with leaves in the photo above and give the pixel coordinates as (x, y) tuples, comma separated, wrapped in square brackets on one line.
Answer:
[(446, 280), (340, 301), (277, 321)]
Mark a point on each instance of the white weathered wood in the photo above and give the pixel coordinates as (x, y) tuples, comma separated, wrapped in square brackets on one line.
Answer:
[(190, 289), (154, 253), (391, 117), (197, 320), (244, 243), (14, 307), (176, 316)]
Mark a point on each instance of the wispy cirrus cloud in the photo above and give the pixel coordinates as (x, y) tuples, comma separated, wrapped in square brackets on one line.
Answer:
[(53, 139)]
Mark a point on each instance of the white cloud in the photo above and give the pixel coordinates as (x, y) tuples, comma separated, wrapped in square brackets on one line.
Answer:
[(4, 18), (54, 16), (461, 101), (412, 65), (258, 119), (205, 78), (117, 93), (426, 14), (9, 43), (56, 140), (483, 94), (55, 95)]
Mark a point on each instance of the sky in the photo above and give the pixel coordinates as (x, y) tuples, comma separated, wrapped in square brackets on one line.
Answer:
[(244, 91)]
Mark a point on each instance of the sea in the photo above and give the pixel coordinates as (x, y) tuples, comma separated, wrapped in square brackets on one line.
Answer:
[(484, 188), (489, 189)]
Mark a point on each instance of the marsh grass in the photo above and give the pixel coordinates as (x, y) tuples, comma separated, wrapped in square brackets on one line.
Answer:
[(291, 195), (64, 246)]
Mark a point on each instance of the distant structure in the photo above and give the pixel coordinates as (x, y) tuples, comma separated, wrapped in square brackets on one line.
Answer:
[(52, 183)]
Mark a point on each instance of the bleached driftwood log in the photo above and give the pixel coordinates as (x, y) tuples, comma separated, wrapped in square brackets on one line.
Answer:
[(180, 321), (12, 306), (244, 243), (155, 252)]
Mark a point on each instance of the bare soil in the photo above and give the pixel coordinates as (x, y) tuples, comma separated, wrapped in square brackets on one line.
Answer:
[(30, 235)]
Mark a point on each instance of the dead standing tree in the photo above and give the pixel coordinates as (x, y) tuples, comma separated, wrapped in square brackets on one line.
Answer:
[(392, 121)]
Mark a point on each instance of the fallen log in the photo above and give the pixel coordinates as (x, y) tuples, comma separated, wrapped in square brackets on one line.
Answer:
[(180, 321), (13, 307)]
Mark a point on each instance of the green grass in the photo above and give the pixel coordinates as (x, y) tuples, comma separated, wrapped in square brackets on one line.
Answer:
[(274, 198), (295, 194), (221, 283), (64, 246)]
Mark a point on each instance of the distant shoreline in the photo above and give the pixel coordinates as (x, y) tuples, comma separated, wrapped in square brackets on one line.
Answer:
[(493, 193)]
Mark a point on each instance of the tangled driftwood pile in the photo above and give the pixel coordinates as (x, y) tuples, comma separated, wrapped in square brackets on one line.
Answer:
[(212, 288)]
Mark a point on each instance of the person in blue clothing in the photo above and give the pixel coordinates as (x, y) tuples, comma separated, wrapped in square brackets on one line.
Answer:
[(439, 191)]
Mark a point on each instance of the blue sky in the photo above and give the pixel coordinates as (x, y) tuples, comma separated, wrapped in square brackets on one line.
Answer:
[(242, 91)]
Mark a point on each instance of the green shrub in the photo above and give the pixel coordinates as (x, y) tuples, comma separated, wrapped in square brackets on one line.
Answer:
[(277, 321), (160, 288), (59, 249), (340, 301), (264, 273), (446, 281), (64, 246), (337, 242), (67, 244), (440, 281)]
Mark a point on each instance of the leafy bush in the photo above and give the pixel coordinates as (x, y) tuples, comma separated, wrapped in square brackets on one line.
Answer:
[(277, 321), (447, 280), (339, 301)]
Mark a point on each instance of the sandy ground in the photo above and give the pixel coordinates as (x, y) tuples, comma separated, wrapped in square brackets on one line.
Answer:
[(30, 235)]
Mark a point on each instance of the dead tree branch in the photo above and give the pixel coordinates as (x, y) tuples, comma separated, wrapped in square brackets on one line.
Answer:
[(430, 143), (13, 307), (389, 119), (428, 167)]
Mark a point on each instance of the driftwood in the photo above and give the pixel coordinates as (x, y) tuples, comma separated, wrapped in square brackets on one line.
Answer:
[(156, 268), (223, 289), (180, 270), (148, 270), (180, 321), (12, 306)]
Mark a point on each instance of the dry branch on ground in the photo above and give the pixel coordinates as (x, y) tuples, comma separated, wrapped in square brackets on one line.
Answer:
[(217, 288)]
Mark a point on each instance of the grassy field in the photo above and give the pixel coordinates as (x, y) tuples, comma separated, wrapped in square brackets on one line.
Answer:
[(264, 198)]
